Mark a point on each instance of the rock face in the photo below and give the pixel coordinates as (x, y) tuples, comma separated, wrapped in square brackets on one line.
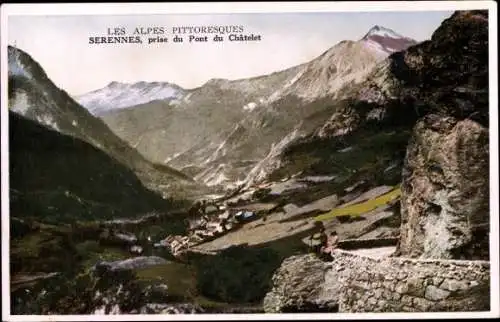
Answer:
[(300, 286), (448, 74), (445, 188), (353, 283)]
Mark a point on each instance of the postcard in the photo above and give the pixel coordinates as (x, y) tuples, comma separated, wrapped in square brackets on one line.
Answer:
[(288, 160)]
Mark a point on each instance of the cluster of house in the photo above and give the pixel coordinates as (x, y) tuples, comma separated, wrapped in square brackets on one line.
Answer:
[(206, 228), (210, 223)]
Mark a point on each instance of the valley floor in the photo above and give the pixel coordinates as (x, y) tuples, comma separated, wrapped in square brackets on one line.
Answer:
[(278, 226)]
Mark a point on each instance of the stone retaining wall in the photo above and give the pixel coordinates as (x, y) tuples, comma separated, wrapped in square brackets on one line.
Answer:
[(409, 285), (354, 283)]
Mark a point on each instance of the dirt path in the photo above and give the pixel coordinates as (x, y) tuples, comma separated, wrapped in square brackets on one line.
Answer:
[(377, 252)]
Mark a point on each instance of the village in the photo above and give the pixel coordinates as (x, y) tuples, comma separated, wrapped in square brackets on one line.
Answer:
[(208, 221), (246, 217)]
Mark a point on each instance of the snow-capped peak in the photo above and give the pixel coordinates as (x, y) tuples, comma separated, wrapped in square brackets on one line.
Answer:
[(385, 41), (118, 95), (382, 32)]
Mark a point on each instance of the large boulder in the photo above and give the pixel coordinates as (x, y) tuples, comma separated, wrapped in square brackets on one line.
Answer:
[(300, 285), (445, 190)]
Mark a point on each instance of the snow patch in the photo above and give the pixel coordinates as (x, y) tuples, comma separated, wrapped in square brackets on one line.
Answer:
[(120, 95), (277, 94), (220, 151), (20, 103), (349, 148), (383, 32), (186, 98), (294, 79), (174, 102), (172, 157), (47, 120), (250, 106)]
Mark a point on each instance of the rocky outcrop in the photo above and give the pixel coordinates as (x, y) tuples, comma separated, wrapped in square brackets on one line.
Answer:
[(353, 283), (445, 190), (130, 263), (448, 75), (300, 285), (342, 122)]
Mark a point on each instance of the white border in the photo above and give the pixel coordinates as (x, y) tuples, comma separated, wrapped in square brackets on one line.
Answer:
[(240, 7), (253, 7)]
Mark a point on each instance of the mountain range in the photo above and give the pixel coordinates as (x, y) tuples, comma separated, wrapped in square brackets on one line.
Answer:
[(226, 131)]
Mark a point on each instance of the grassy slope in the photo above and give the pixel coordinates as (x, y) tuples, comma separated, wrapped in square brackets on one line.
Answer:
[(362, 207), (375, 157)]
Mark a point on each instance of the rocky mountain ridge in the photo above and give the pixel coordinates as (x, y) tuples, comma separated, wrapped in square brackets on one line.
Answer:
[(219, 124)]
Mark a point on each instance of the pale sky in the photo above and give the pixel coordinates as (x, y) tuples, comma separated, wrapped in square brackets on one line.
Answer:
[(60, 44)]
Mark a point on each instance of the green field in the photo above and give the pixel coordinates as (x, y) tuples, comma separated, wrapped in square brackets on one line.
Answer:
[(363, 207), (181, 281)]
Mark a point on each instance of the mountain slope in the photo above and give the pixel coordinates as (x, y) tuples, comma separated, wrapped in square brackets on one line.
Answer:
[(347, 63), (59, 178), (224, 129), (33, 95)]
